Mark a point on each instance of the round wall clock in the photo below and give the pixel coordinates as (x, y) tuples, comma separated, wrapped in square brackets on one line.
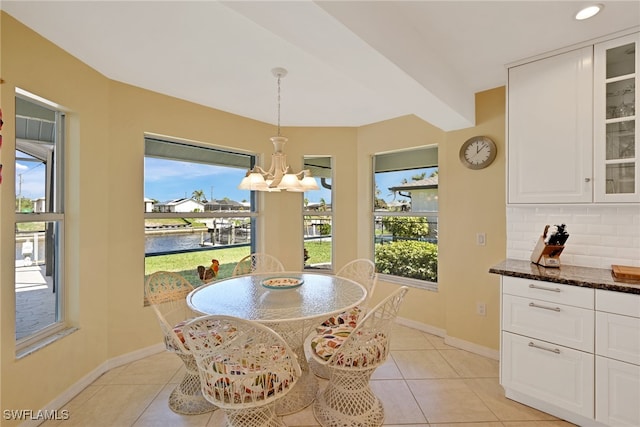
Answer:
[(478, 152)]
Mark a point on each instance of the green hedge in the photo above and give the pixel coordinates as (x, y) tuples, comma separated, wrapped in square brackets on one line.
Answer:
[(408, 258)]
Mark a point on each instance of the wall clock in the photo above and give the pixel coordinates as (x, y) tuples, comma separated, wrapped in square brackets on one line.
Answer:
[(478, 152)]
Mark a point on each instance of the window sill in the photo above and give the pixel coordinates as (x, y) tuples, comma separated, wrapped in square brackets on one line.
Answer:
[(413, 283), (32, 348)]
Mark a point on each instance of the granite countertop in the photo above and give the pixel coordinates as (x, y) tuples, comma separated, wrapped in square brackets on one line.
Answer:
[(597, 278)]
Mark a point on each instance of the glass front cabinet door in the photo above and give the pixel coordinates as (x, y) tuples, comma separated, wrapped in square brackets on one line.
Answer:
[(616, 156)]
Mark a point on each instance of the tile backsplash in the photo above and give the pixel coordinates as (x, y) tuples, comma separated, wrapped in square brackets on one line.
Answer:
[(599, 235)]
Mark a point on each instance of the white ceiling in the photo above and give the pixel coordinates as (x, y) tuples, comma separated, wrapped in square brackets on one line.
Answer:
[(350, 63)]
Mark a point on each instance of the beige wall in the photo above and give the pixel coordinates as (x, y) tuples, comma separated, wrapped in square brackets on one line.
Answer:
[(470, 202), (105, 243), (473, 202)]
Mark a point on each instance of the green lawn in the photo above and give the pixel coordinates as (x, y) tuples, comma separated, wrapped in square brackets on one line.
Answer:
[(186, 264)]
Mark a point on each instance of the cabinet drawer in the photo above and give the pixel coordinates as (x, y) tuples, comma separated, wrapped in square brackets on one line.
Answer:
[(618, 337), (618, 303), (555, 374), (617, 393), (548, 291), (557, 323)]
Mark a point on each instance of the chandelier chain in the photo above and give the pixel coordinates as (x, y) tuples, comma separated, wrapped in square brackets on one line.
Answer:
[(279, 105)]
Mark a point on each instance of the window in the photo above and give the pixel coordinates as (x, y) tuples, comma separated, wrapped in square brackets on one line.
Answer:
[(318, 216), (194, 213), (405, 216), (39, 227)]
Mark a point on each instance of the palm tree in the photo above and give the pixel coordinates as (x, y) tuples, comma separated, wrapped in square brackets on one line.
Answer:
[(198, 195)]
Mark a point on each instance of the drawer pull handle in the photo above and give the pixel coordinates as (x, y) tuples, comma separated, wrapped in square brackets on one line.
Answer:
[(532, 304), (544, 288), (552, 350)]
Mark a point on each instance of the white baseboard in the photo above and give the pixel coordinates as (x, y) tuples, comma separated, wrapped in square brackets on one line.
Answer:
[(88, 379), (452, 341)]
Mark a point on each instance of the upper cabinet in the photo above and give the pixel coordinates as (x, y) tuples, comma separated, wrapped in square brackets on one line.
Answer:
[(617, 166), (572, 128), (550, 132)]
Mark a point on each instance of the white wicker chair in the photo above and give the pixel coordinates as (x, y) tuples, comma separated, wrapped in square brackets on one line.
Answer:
[(360, 270), (257, 263), (352, 354), (244, 367), (166, 292)]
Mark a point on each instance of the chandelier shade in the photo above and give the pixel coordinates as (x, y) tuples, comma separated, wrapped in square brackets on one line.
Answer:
[(279, 176)]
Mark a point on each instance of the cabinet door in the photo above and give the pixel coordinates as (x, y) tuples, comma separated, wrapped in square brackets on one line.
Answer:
[(547, 291), (557, 323), (617, 393), (550, 144), (616, 157), (618, 337), (558, 375)]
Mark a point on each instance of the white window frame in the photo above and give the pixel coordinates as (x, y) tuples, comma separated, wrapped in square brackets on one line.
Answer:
[(60, 327), (409, 156), (317, 173), (253, 213)]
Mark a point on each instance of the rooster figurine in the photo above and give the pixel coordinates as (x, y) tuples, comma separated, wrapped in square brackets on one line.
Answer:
[(208, 274)]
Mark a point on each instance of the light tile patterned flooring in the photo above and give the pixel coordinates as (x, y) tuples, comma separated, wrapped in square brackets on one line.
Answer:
[(424, 383)]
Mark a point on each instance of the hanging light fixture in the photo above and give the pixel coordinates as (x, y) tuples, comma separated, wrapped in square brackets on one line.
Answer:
[(279, 176)]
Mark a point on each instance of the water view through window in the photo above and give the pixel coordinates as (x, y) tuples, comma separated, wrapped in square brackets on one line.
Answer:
[(194, 212)]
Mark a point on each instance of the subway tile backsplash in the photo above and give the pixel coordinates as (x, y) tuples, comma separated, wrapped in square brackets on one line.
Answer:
[(599, 235)]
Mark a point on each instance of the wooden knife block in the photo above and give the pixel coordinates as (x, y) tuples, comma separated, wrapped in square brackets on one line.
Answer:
[(546, 255)]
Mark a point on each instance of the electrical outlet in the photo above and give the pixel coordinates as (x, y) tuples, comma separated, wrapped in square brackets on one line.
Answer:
[(481, 309), (481, 239)]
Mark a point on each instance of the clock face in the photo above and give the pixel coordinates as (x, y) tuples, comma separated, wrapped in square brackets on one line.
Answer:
[(478, 152)]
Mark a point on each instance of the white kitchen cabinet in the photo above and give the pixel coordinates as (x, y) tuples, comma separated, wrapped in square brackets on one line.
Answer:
[(616, 155), (618, 337), (572, 128), (571, 351), (617, 393), (550, 292), (548, 343), (617, 358), (548, 372), (562, 324), (550, 129)]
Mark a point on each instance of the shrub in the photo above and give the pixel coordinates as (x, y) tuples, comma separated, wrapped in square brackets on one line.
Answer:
[(408, 258), (325, 229), (406, 226)]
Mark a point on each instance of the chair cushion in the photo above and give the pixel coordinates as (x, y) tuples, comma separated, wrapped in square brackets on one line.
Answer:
[(324, 345), (240, 380), (348, 318), (177, 330)]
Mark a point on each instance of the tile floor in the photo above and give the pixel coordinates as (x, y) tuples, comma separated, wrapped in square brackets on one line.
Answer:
[(424, 383)]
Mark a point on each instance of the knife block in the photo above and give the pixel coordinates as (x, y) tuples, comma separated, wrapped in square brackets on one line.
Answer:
[(546, 255)]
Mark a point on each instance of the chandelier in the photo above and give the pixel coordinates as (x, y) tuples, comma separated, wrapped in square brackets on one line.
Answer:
[(279, 176)]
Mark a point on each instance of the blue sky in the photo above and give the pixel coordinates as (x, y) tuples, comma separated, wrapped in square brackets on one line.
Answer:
[(391, 179), (29, 179), (166, 180)]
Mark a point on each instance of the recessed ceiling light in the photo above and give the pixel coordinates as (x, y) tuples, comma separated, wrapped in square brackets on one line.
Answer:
[(589, 11)]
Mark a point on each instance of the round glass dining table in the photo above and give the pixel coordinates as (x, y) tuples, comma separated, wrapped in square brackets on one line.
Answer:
[(291, 303)]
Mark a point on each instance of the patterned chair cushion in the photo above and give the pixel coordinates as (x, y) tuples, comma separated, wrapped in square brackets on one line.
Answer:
[(177, 330), (347, 318), (325, 344), (238, 380)]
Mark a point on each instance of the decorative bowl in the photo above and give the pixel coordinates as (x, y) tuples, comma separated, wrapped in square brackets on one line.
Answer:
[(282, 282)]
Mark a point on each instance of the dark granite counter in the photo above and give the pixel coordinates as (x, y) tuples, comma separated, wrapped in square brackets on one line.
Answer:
[(597, 278)]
